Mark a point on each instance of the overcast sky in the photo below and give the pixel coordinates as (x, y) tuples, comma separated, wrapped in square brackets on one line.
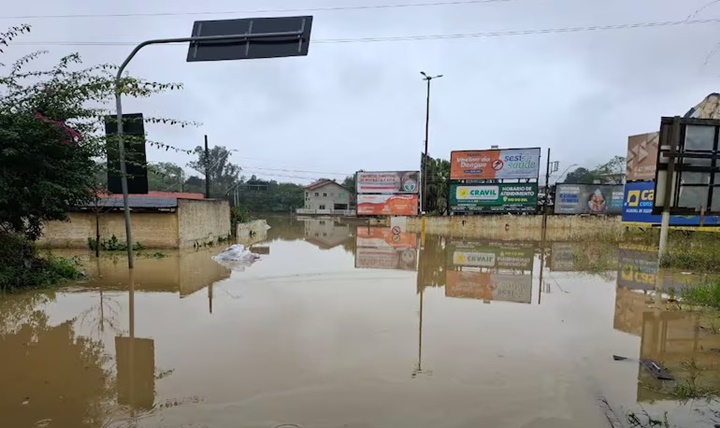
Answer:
[(361, 105)]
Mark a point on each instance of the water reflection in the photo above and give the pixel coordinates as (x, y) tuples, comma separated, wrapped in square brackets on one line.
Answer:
[(340, 324)]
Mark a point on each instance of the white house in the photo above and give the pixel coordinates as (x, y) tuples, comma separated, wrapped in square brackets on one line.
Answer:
[(327, 197)]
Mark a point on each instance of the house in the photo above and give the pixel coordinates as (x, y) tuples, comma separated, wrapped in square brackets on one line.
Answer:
[(327, 197)]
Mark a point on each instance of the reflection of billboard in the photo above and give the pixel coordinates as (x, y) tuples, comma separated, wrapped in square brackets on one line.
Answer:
[(638, 207), (510, 197), (380, 248), (494, 164), (642, 156), (589, 199), (403, 205), (637, 270), (487, 255), (562, 258), (488, 286), (388, 182), (386, 258), (384, 237), (135, 371)]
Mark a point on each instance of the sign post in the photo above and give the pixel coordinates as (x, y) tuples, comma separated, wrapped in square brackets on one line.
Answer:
[(220, 40)]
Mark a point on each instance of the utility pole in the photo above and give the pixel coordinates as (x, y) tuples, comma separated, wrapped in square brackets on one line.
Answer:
[(207, 169), (428, 79), (547, 197)]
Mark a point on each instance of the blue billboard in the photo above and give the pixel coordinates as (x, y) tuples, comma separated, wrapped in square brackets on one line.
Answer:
[(638, 205)]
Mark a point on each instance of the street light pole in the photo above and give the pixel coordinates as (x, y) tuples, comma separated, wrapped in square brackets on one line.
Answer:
[(428, 79)]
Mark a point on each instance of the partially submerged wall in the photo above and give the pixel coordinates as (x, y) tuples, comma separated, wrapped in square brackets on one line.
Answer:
[(256, 229), (518, 227), (152, 230), (202, 221)]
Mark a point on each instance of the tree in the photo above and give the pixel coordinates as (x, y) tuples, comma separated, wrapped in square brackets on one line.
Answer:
[(166, 177), (580, 176), (223, 174), (438, 177), (52, 130)]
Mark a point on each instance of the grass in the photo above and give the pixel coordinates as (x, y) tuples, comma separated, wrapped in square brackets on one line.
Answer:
[(705, 295)]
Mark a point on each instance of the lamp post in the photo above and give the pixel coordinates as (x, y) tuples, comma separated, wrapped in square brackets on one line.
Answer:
[(428, 79)]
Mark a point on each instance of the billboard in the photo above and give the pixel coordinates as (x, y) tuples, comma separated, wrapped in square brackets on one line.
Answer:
[(494, 164), (488, 286), (638, 206), (490, 255), (500, 197), (388, 182), (589, 199), (642, 156), (387, 205), (562, 256)]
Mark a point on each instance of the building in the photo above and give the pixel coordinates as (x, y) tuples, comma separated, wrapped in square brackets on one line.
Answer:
[(159, 220), (327, 197)]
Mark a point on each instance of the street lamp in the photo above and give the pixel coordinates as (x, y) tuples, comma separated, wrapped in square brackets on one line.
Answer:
[(428, 79), (565, 172)]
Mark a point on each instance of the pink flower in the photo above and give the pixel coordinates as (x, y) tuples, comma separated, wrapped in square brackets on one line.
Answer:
[(75, 136)]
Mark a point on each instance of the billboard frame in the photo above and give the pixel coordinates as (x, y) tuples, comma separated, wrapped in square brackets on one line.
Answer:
[(488, 208), (558, 186), (485, 180), (416, 192)]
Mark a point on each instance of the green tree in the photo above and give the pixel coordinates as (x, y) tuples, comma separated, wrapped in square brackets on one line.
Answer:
[(223, 174), (438, 177), (580, 176), (166, 177), (52, 130), (610, 172)]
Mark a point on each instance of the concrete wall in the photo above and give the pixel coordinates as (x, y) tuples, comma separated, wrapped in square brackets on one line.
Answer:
[(327, 196), (152, 230), (518, 227), (202, 221)]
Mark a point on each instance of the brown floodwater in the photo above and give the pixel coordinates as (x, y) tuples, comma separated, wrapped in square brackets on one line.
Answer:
[(340, 325)]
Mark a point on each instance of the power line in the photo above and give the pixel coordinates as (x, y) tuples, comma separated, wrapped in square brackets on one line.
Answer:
[(300, 171), (455, 36), (261, 11)]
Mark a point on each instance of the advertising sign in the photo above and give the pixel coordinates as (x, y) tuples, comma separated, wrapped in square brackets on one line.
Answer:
[(488, 286), (487, 255), (637, 270), (642, 156), (386, 258), (384, 237), (388, 182), (500, 197), (638, 207), (494, 164), (387, 205), (589, 199)]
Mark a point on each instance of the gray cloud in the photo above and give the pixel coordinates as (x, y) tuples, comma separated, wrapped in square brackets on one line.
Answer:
[(348, 106)]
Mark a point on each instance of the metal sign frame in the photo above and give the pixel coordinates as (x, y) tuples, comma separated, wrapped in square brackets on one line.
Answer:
[(676, 163)]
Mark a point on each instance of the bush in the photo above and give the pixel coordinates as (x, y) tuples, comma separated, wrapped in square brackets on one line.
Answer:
[(707, 295), (23, 268)]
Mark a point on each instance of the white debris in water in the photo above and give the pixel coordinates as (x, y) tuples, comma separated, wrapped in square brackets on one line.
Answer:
[(237, 257)]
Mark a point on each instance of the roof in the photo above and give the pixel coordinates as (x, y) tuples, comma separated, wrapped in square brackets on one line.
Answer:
[(157, 194), (135, 201), (324, 182)]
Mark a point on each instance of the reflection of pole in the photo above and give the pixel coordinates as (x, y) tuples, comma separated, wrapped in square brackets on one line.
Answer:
[(542, 269), (418, 368), (207, 168), (669, 187), (210, 296)]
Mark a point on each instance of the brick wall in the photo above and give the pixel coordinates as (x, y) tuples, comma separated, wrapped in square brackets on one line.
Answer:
[(202, 221), (152, 230)]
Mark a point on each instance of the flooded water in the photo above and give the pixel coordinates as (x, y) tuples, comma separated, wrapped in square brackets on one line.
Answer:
[(340, 325)]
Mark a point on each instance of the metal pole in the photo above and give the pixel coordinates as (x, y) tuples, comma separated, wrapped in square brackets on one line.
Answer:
[(669, 187), (547, 197), (207, 169), (427, 137), (118, 105)]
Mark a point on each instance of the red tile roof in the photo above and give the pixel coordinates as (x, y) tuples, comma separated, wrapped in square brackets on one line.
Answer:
[(320, 183), (157, 194)]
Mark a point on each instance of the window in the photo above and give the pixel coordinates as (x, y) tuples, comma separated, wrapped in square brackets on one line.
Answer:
[(317, 194), (324, 194), (321, 207)]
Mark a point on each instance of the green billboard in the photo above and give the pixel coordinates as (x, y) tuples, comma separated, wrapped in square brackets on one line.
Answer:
[(495, 197)]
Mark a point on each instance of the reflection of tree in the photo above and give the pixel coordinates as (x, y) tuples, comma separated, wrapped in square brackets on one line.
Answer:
[(431, 266), (98, 317), (285, 228), (47, 373)]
